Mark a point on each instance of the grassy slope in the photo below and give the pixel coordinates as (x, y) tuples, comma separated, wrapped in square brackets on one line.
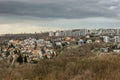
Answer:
[(74, 64)]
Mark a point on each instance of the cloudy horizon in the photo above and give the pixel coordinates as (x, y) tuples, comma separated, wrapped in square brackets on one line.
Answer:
[(17, 16)]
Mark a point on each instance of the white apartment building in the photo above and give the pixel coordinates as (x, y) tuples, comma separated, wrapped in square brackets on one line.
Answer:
[(75, 33), (109, 32)]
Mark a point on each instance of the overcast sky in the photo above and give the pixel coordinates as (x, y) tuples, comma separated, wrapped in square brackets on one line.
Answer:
[(46, 15)]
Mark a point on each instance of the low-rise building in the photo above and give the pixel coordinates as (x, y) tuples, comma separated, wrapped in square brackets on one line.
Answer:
[(106, 39), (117, 39)]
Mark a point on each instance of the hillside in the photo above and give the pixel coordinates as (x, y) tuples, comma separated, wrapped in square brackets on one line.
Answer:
[(77, 63)]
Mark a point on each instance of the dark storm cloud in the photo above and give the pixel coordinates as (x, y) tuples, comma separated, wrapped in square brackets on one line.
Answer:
[(59, 8)]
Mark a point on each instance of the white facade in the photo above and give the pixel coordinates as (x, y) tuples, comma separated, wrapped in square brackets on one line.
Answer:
[(78, 32), (51, 34), (106, 39), (69, 33), (58, 33), (109, 32), (117, 38)]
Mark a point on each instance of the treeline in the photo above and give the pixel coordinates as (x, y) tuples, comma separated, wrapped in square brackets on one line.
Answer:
[(24, 36)]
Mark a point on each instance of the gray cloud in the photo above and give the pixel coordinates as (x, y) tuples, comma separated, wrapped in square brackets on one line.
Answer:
[(67, 9)]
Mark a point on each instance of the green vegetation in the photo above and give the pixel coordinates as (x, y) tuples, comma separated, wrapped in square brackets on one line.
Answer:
[(73, 64)]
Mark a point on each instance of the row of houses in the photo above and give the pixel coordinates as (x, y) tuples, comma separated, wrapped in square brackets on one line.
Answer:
[(83, 32)]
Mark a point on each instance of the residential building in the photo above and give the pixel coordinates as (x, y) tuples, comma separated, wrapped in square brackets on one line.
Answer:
[(106, 39), (117, 38)]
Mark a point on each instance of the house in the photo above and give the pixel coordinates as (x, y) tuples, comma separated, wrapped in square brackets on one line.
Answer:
[(40, 41), (116, 51), (106, 39), (98, 41), (87, 36), (67, 38), (104, 49), (58, 33), (81, 41), (118, 45), (51, 34), (89, 41), (58, 44), (49, 45), (63, 33), (117, 39)]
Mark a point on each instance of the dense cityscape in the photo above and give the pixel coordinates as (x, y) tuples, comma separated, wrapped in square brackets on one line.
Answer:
[(25, 48)]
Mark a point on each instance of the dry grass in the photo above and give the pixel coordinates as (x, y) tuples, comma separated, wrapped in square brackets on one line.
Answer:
[(74, 64)]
